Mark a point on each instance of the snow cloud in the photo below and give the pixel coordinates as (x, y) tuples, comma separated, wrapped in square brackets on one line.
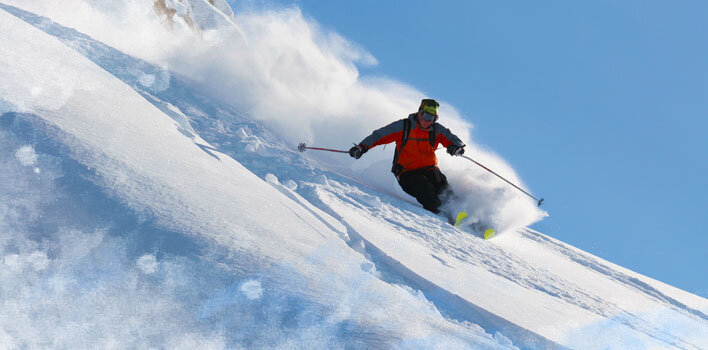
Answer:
[(302, 81)]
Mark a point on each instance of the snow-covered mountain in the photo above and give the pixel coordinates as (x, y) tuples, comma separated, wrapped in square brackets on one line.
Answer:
[(141, 207)]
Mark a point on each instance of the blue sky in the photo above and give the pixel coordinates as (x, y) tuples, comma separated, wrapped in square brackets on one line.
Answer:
[(600, 106)]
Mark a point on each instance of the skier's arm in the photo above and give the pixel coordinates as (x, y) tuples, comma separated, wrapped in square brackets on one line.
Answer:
[(387, 134), (446, 138)]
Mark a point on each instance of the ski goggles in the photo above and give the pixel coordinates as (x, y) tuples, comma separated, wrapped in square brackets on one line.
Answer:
[(429, 117)]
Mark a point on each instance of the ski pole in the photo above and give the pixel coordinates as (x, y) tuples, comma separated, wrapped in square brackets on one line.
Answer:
[(539, 201), (302, 147)]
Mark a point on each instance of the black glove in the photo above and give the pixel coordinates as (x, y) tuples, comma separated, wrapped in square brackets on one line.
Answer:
[(357, 151), (455, 150)]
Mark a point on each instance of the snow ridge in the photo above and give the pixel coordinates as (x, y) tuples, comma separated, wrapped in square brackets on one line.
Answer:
[(613, 273)]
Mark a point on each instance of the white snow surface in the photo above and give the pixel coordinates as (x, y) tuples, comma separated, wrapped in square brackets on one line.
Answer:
[(139, 210)]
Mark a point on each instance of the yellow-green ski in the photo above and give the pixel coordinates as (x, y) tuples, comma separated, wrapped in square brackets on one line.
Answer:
[(489, 233), (461, 216)]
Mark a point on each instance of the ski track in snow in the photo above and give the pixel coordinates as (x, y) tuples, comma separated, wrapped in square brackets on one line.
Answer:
[(602, 268), (474, 251), (263, 153)]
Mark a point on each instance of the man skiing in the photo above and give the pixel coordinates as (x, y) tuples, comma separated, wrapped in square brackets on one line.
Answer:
[(414, 161)]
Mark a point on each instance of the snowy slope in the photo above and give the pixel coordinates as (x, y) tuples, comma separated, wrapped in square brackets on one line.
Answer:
[(365, 268), (531, 281), (137, 155)]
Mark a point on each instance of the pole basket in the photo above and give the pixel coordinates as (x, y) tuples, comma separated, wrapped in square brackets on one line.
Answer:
[(301, 147)]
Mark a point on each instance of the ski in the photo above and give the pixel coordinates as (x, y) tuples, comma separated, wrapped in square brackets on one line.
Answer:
[(461, 216), (489, 233), (460, 219)]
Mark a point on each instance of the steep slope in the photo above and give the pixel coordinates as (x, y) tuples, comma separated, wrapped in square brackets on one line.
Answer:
[(117, 150), (526, 279), (532, 289)]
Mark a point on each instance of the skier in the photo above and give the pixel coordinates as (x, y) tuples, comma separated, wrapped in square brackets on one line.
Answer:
[(414, 161)]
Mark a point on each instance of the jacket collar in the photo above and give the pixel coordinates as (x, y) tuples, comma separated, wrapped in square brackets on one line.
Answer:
[(414, 119)]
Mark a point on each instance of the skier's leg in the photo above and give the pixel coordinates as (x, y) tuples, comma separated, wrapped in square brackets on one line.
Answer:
[(418, 184), (408, 182), (429, 198), (443, 191)]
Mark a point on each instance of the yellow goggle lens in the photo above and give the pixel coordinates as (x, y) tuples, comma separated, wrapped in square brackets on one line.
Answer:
[(430, 109)]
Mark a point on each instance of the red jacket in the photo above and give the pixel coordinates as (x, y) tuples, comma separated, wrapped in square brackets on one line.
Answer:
[(418, 152)]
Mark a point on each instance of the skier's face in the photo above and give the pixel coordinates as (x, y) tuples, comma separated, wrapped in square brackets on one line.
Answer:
[(423, 122)]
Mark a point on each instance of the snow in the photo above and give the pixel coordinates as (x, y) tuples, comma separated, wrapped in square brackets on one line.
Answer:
[(26, 156), (147, 264), (287, 72), (165, 217), (252, 289), (133, 151)]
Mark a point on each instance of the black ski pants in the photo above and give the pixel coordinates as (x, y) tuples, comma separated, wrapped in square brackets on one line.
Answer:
[(428, 185)]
